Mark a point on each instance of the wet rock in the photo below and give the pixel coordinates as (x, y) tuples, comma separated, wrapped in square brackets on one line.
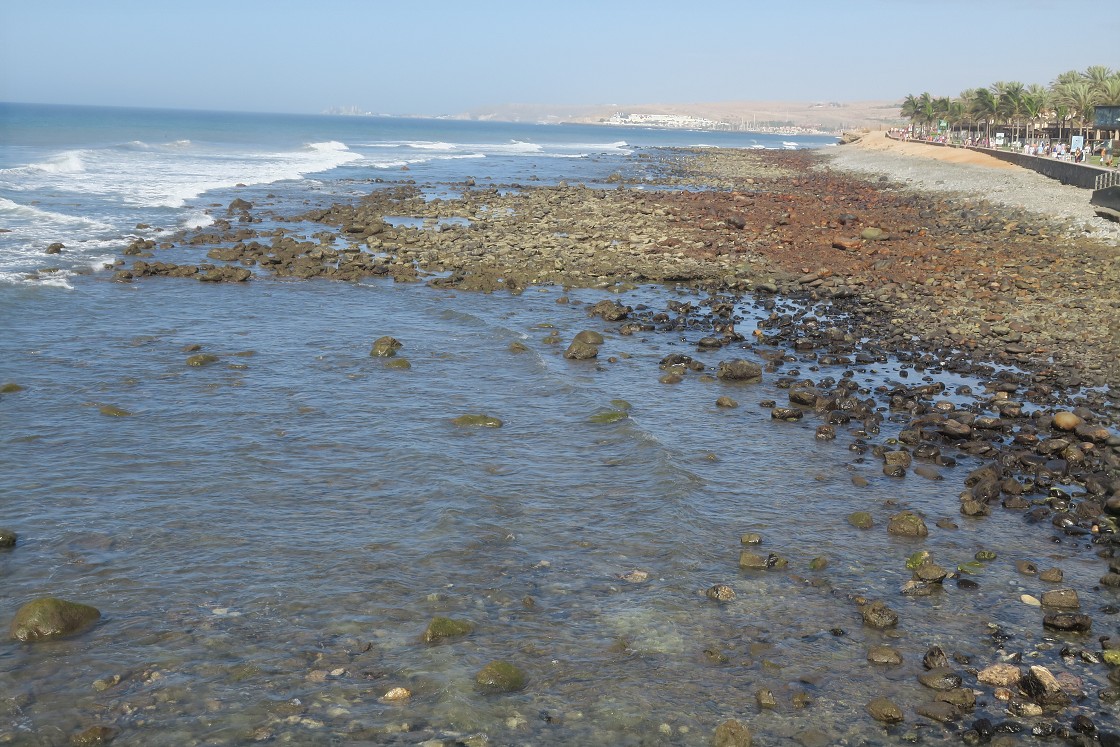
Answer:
[(720, 593), (7, 539), (500, 677), (1000, 675), (940, 678), (930, 573), (884, 655), (826, 432), (726, 402), (961, 697), (396, 695), (479, 420), (238, 205), (1066, 421), (885, 710), (399, 364), (878, 615), (732, 733), (739, 370), (609, 310), (1041, 686), (1051, 575), (56, 248), (50, 617), (10, 387), (938, 711), (861, 520), (786, 413), (609, 416), (765, 698), (818, 563), (385, 347), (935, 658), (441, 628), (751, 538), (581, 351), (589, 337), (907, 524), (1069, 622), (1065, 598), (751, 560), (225, 275), (1027, 568)]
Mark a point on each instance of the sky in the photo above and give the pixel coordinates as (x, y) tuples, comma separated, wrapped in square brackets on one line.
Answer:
[(433, 57)]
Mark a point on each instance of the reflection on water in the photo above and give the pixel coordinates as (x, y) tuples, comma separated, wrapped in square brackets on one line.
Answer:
[(268, 536)]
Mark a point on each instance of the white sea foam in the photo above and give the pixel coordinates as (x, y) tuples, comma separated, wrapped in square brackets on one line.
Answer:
[(67, 162), (196, 219), (14, 212)]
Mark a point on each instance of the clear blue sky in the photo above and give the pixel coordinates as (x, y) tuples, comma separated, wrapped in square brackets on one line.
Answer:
[(436, 57)]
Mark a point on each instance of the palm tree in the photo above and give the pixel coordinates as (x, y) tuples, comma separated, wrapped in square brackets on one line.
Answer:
[(1010, 98), (909, 108), (925, 110), (985, 107), (967, 99), (1110, 91), (1081, 98), (1036, 101), (1097, 75)]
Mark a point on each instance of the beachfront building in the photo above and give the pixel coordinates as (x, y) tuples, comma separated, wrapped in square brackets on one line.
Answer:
[(672, 121)]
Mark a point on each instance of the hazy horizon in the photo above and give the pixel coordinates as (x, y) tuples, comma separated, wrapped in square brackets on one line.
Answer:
[(444, 58)]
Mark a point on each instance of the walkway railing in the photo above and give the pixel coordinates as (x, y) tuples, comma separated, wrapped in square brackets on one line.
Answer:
[(1111, 179)]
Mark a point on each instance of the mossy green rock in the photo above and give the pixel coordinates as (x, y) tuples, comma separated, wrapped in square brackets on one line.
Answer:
[(10, 388), (480, 420), (907, 524), (621, 404), (113, 411), (518, 347), (609, 416), (590, 337), (51, 618), (861, 520), (399, 363), (1111, 657), (985, 555), (385, 347), (917, 559), (7, 539), (818, 564), (202, 359), (444, 627), (500, 677)]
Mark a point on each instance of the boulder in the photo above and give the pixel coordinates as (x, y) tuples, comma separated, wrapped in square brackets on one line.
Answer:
[(739, 370), (1000, 675), (590, 337), (238, 205), (50, 617), (907, 524), (7, 539)]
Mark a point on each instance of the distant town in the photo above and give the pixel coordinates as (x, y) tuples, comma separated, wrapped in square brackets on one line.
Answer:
[(685, 122)]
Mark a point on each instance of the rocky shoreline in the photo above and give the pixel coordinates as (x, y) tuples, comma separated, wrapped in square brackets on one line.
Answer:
[(849, 273)]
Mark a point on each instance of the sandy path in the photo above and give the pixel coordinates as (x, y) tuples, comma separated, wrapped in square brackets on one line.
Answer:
[(878, 141)]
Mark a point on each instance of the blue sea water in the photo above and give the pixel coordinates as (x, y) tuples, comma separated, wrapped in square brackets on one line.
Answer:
[(88, 176), (268, 536)]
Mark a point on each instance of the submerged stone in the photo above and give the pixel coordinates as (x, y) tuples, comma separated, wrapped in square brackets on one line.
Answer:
[(480, 420), (444, 627), (581, 351), (907, 524), (113, 411), (732, 733), (7, 539), (861, 520), (609, 416), (500, 677), (400, 364), (50, 617), (885, 710), (10, 388), (202, 359)]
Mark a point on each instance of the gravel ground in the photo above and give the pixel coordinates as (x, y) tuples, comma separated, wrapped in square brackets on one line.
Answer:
[(1018, 187)]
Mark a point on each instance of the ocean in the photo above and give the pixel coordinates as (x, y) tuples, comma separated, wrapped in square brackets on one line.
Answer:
[(268, 537)]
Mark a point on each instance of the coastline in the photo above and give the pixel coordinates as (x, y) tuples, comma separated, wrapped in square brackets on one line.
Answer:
[(950, 347)]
